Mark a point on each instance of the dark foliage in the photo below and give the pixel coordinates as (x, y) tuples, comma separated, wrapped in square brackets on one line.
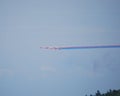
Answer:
[(109, 93)]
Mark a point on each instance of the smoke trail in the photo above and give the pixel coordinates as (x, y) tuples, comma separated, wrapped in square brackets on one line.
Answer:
[(81, 47), (90, 47)]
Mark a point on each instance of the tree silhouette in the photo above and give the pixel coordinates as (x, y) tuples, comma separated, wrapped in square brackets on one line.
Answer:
[(98, 93), (108, 93)]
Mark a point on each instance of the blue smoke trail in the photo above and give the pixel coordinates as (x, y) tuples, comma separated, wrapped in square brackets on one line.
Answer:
[(89, 47)]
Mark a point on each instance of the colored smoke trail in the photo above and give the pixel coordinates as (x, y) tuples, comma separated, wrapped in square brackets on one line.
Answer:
[(81, 47), (91, 47)]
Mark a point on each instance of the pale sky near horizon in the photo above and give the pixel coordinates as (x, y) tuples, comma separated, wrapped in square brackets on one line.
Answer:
[(27, 70)]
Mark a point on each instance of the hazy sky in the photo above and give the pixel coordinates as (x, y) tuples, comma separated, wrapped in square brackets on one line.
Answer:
[(27, 70)]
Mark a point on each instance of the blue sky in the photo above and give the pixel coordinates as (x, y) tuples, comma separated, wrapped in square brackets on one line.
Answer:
[(26, 25)]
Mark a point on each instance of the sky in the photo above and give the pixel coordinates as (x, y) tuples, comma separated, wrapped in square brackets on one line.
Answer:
[(27, 25)]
